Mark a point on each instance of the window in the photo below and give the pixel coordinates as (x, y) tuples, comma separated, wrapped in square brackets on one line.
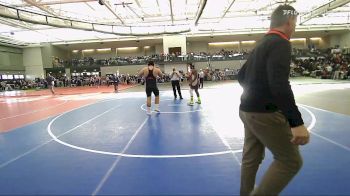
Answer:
[(4, 77), (21, 76), (175, 50), (16, 76), (10, 77)]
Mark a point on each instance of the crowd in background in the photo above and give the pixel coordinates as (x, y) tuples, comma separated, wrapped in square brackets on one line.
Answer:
[(324, 64), (95, 80), (158, 58), (17, 84), (329, 65)]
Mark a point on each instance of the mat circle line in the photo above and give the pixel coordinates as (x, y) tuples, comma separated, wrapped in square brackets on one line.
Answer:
[(312, 124), (184, 112)]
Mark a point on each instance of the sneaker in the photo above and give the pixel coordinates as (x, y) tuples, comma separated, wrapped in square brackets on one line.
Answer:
[(190, 103), (181, 98), (148, 112), (198, 102), (157, 110)]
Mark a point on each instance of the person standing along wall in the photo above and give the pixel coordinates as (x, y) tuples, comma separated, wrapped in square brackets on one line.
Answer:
[(50, 83), (115, 80), (201, 79)]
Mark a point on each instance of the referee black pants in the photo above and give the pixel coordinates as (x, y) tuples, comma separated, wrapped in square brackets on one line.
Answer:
[(176, 85), (201, 82)]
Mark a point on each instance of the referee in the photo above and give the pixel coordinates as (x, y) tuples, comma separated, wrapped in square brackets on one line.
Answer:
[(175, 78), (270, 116)]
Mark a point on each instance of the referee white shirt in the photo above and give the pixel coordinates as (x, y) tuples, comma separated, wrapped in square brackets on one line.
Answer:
[(201, 74), (175, 76)]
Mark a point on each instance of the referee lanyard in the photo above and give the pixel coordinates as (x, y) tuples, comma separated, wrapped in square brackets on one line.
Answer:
[(282, 35)]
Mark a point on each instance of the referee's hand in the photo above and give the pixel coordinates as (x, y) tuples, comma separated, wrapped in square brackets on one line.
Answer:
[(301, 135)]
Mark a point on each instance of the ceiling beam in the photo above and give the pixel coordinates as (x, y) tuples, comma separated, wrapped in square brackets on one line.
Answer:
[(201, 7), (138, 4), (133, 11), (158, 6), (228, 8), (186, 9), (15, 24), (41, 7), (88, 26), (25, 26), (56, 2), (108, 6), (322, 10), (171, 12), (90, 6)]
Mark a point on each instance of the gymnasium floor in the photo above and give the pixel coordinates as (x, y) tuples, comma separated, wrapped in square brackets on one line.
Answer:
[(105, 144)]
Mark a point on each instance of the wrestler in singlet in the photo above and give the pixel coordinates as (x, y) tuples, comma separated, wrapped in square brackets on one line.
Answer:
[(150, 73), (151, 84)]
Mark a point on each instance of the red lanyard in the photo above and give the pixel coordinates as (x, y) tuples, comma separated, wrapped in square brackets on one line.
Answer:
[(282, 35)]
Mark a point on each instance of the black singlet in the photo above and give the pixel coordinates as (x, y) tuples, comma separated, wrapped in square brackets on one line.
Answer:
[(151, 81)]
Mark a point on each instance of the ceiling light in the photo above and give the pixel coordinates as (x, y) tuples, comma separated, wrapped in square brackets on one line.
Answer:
[(248, 42), (222, 43), (297, 39), (315, 38), (128, 48), (104, 49), (88, 50)]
